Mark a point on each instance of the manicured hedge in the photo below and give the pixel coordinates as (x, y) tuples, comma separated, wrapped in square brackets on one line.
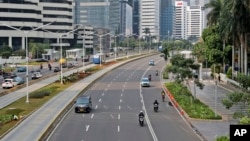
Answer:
[(193, 107)]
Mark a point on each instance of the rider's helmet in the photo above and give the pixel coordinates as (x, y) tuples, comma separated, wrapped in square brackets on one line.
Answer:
[(141, 111)]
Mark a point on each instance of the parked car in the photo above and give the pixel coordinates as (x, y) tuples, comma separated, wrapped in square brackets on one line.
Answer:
[(83, 104), (41, 60), (9, 83), (57, 69), (35, 70), (9, 75), (21, 69), (36, 75), (70, 65), (19, 80), (145, 82), (151, 63)]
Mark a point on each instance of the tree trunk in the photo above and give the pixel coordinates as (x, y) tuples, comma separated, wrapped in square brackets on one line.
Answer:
[(245, 54)]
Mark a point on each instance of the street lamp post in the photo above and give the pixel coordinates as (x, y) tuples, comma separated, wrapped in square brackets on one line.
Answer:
[(60, 36), (115, 49), (26, 52), (215, 97)]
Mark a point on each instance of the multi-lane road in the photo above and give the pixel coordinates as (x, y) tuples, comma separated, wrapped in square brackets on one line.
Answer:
[(117, 99)]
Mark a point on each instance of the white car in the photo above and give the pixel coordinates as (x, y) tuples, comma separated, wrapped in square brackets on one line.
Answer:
[(36, 75), (9, 83), (145, 82)]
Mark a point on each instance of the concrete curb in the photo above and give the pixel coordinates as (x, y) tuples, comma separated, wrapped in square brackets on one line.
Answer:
[(183, 114)]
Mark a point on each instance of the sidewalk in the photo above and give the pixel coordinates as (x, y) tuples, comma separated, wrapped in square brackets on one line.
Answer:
[(209, 130)]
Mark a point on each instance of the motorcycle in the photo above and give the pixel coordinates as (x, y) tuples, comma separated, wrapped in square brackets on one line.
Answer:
[(141, 120), (155, 107), (149, 77), (163, 98)]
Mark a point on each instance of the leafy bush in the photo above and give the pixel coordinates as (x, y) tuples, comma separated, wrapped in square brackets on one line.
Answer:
[(193, 107), (222, 138), (229, 73), (5, 118), (40, 94)]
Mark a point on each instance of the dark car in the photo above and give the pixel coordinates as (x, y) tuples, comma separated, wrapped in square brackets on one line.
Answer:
[(41, 60), (9, 75), (70, 65), (21, 69), (57, 69), (19, 80), (83, 104)]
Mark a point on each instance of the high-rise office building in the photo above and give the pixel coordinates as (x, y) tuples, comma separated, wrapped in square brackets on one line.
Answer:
[(150, 17), (194, 21), (180, 30), (94, 13), (30, 14), (136, 17), (167, 18)]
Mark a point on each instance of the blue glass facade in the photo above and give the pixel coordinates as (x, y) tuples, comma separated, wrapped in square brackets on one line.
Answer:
[(167, 18), (92, 12)]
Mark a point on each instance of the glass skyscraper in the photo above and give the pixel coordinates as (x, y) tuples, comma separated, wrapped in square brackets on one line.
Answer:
[(167, 19)]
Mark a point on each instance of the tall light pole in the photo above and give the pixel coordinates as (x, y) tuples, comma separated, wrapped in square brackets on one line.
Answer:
[(115, 49), (215, 98), (60, 36), (26, 52)]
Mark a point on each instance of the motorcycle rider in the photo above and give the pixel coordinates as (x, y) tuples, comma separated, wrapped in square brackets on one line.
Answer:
[(156, 102), (149, 77), (156, 73), (141, 114), (163, 95)]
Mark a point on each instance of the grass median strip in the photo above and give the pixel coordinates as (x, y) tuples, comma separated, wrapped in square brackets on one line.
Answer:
[(193, 107)]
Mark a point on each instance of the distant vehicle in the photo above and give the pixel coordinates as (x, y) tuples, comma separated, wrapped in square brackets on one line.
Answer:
[(145, 82), (9, 75), (9, 83), (36, 75), (70, 65), (151, 63), (21, 69), (162, 55), (41, 60), (57, 69), (64, 65), (35, 70), (83, 104), (19, 80)]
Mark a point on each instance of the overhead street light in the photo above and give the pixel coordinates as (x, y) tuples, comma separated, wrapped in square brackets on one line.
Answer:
[(26, 32), (60, 36)]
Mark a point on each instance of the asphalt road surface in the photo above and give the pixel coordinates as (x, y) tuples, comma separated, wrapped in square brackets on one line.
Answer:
[(117, 99)]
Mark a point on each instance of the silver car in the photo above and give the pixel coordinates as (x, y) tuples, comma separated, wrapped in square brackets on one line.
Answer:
[(145, 82)]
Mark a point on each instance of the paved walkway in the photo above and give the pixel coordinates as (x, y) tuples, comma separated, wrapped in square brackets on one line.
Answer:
[(211, 129)]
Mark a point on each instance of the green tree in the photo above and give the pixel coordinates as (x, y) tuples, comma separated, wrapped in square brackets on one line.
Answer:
[(6, 51), (184, 69)]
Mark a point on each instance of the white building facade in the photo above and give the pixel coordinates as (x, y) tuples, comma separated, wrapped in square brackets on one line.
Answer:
[(150, 17), (194, 21), (180, 29), (27, 15)]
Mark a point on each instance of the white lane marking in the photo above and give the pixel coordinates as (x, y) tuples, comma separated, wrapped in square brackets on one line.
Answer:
[(92, 116), (118, 128), (112, 116), (129, 107), (83, 115), (120, 100), (119, 107), (96, 106), (121, 95), (119, 116), (102, 94), (122, 90), (146, 115), (87, 128), (105, 107), (100, 100)]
